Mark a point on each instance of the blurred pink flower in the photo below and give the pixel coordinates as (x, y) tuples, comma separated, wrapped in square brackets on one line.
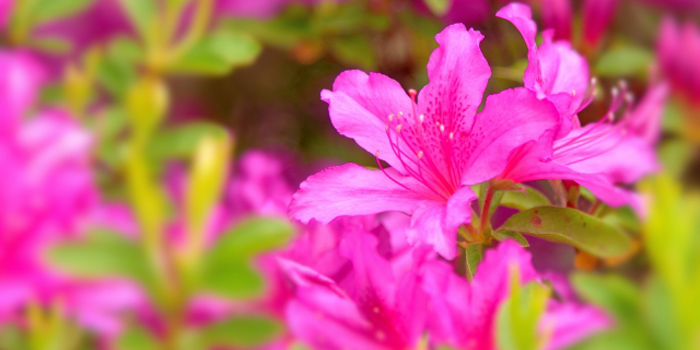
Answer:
[(436, 147), (463, 314), (377, 303), (557, 15), (46, 195), (597, 17), (468, 12), (5, 11), (598, 156), (681, 70)]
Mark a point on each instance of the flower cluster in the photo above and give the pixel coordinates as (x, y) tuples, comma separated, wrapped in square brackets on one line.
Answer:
[(474, 206)]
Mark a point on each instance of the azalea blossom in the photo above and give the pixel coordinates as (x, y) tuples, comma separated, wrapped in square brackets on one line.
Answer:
[(682, 71), (46, 195), (597, 18), (598, 156), (435, 142), (463, 314), (377, 303)]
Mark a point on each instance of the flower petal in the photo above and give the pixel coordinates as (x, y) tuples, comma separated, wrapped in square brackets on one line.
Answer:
[(569, 323), (509, 120), (353, 190), (458, 74), (622, 156), (359, 107)]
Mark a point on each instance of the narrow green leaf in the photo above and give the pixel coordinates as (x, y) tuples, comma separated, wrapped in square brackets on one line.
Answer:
[(179, 141), (624, 60), (140, 12), (474, 255), (505, 235), (355, 50), (252, 237), (517, 319), (101, 253), (233, 279), (55, 9), (524, 200), (613, 293), (243, 331), (570, 226), (218, 53), (227, 269), (438, 7), (136, 338)]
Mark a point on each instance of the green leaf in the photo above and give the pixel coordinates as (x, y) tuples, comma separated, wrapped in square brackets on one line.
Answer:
[(570, 226), (141, 13), (234, 279), (56, 9), (354, 50), (474, 255), (117, 69), (52, 44), (611, 292), (517, 319), (252, 237), (179, 141), (136, 338), (505, 235), (102, 253), (438, 7), (624, 60), (218, 53), (227, 269), (243, 331), (527, 199)]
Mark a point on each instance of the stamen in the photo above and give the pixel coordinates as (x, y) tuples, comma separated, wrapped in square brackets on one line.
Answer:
[(421, 118), (400, 115), (420, 154), (398, 127), (452, 136), (442, 128), (412, 93), (391, 117)]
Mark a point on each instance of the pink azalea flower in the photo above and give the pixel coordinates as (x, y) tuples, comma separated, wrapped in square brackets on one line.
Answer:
[(5, 11), (375, 306), (46, 194), (597, 17), (463, 314), (557, 15), (682, 71), (468, 12), (598, 156), (436, 146)]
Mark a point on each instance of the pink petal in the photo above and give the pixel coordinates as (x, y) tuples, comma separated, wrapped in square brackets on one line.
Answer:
[(426, 228), (458, 74), (597, 16), (557, 15), (521, 17), (509, 120), (622, 156), (644, 119), (359, 107), (569, 323), (20, 79), (353, 190)]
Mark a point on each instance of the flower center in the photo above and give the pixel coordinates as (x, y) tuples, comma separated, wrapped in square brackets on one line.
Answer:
[(425, 148)]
